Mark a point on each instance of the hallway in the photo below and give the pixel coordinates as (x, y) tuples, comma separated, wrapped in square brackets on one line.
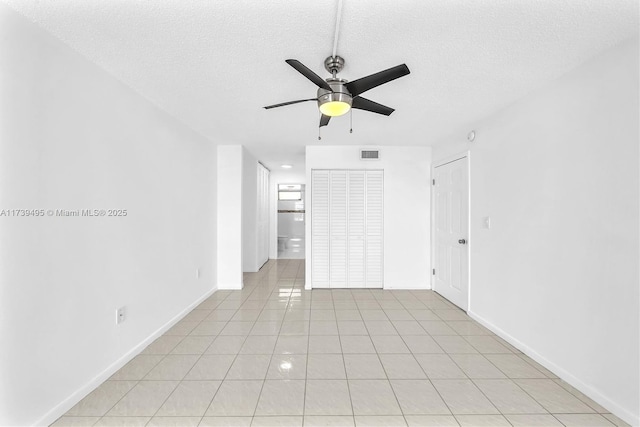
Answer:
[(275, 354)]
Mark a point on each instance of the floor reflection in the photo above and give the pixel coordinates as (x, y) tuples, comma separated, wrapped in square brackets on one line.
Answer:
[(290, 248)]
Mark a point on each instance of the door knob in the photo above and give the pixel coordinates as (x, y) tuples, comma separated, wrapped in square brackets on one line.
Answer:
[(462, 241)]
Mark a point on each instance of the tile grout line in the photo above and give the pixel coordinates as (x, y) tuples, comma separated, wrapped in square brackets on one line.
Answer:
[(187, 373), (306, 367), (230, 365), (270, 357), (344, 364), (268, 364), (385, 371)]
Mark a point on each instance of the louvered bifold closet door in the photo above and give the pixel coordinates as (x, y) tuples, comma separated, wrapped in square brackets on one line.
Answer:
[(374, 228), (320, 229), (338, 228), (347, 229), (356, 230)]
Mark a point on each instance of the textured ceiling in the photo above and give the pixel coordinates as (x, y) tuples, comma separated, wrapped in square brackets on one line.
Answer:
[(214, 64)]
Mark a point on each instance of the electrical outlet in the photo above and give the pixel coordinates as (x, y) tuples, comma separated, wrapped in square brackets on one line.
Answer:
[(120, 315)]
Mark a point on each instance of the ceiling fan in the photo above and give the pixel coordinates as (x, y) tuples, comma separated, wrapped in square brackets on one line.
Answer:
[(337, 96)]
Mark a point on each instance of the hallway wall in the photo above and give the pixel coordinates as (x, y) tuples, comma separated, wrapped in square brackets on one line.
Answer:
[(73, 137), (249, 212), (230, 216), (557, 272)]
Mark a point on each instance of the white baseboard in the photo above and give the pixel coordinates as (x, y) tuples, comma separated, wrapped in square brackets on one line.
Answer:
[(589, 391), (307, 286), (68, 403), (408, 288), (231, 286)]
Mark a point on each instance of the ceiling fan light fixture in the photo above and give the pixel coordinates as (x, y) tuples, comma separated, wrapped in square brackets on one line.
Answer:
[(335, 108), (334, 104)]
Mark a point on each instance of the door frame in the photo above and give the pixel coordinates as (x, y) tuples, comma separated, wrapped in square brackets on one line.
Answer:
[(434, 164)]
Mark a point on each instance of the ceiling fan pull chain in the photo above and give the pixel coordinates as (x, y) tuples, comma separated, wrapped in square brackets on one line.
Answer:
[(351, 120), (319, 137)]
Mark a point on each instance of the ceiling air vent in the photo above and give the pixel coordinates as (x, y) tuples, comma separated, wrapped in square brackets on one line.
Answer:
[(369, 155)]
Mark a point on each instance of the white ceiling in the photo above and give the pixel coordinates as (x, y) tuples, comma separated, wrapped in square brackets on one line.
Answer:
[(214, 64)]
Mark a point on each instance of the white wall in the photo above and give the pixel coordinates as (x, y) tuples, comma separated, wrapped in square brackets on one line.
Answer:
[(406, 207), (279, 177), (230, 216), (72, 137), (249, 212), (557, 273)]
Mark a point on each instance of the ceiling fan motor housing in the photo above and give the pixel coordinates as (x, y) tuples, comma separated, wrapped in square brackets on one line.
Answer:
[(339, 94)]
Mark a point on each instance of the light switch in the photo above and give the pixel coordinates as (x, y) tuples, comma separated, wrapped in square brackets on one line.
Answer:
[(120, 315), (486, 222)]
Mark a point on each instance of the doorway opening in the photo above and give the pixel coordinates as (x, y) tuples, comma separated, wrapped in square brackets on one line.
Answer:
[(291, 220)]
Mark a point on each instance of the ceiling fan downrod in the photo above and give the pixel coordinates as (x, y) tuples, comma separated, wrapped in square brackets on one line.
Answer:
[(334, 64)]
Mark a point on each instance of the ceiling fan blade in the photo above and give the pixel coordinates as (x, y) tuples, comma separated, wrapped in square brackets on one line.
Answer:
[(289, 103), (365, 104), (363, 84), (324, 120), (302, 69)]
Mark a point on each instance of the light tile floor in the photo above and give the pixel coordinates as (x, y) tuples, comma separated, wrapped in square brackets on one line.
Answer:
[(274, 354)]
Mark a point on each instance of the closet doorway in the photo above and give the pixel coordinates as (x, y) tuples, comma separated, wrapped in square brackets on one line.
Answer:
[(347, 228)]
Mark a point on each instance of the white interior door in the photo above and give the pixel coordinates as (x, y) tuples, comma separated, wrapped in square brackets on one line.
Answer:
[(451, 231)]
